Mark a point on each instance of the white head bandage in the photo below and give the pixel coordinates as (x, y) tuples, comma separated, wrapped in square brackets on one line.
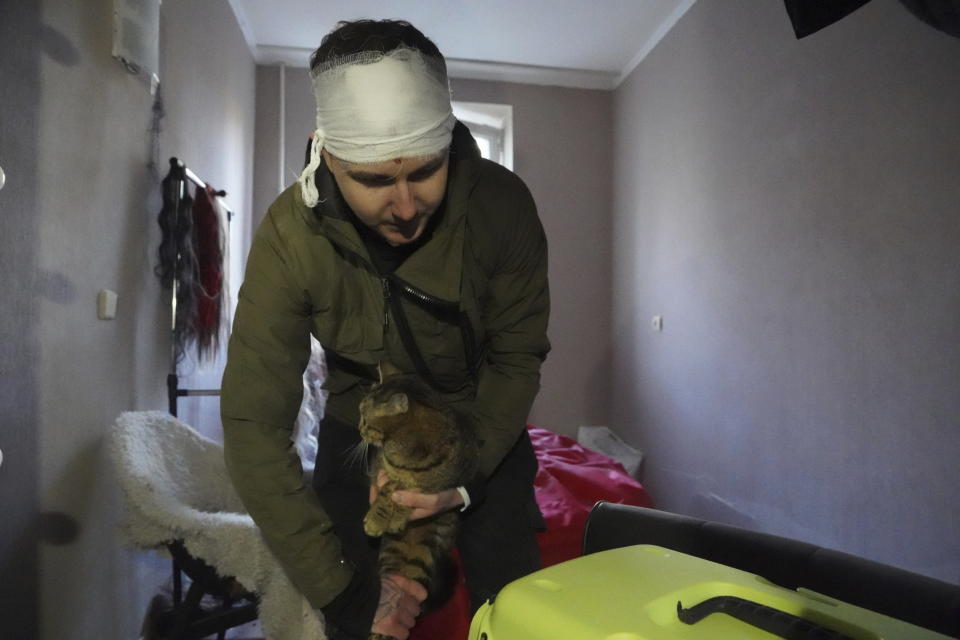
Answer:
[(374, 106)]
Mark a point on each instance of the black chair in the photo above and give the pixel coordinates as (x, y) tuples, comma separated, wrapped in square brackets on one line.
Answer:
[(188, 619)]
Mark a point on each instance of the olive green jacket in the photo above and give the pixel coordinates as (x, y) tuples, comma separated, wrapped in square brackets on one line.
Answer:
[(309, 272)]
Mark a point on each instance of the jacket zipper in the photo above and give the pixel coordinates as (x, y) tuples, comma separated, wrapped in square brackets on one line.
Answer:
[(424, 297), (388, 282), (386, 302), (466, 330), (467, 335)]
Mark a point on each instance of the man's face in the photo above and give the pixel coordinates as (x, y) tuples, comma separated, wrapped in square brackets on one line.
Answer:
[(394, 198)]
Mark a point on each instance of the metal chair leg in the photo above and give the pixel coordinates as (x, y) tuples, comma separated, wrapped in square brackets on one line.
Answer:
[(184, 611), (227, 604)]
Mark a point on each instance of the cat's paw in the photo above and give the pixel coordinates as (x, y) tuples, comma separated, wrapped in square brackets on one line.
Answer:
[(398, 522), (379, 515), (374, 526), (378, 522), (385, 516)]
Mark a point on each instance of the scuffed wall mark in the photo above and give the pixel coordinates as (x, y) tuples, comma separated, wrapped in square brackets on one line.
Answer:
[(55, 287)]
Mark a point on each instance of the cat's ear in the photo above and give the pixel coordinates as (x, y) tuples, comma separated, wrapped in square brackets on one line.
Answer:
[(396, 405), (387, 371)]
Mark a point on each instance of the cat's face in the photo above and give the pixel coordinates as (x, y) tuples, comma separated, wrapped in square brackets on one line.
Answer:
[(411, 436), (379, 411)]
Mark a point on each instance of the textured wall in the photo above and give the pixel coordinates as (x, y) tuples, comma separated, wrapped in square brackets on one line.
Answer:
[(562, 140), (79, 215), (92, 220), (790, 209)]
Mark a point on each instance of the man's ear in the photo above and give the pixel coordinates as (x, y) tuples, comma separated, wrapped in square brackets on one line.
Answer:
[(387, 371)]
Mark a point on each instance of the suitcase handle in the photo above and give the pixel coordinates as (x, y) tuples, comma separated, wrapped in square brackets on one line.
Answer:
[(771, 620)]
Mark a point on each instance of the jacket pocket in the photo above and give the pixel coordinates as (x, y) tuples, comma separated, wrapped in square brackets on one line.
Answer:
[(440, 341)]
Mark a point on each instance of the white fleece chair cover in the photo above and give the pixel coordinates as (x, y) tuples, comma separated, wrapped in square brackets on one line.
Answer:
[(176, 487)]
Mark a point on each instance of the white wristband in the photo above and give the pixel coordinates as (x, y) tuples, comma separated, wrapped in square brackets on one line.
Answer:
[(466, 498)]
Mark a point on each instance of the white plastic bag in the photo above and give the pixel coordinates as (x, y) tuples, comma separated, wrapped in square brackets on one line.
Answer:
[(603, 440)]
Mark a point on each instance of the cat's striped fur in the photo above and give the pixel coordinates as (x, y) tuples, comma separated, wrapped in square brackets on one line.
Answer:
[(423, 445)]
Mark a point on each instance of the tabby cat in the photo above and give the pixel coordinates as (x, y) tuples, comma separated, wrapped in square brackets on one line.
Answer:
[(424, 445)]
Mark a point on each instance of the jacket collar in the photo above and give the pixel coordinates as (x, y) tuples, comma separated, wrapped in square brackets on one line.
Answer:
[(435, 267)]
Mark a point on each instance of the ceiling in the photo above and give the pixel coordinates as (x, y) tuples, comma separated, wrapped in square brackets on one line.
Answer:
[(577, 43)]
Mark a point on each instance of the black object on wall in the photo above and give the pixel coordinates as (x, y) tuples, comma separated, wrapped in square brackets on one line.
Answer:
[(943, 15), (810, 16)]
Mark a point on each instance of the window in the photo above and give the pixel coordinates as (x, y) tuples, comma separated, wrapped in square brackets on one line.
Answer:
[(491, 126)]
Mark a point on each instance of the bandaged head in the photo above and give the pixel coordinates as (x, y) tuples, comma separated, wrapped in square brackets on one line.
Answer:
[(374, 106)]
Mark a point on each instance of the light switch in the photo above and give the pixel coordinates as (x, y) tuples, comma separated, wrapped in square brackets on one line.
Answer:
[(657, 323), (106, 304)]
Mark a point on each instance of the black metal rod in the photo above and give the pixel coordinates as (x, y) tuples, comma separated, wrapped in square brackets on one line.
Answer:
[(195, 179), (172, 394), (177, 584)]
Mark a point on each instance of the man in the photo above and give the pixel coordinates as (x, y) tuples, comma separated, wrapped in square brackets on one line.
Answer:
[(398, 244)]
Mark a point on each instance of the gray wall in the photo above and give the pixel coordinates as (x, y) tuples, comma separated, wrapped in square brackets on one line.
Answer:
[(562, 140), (791, 209), (79, 214), (294, 115), (266, 180)]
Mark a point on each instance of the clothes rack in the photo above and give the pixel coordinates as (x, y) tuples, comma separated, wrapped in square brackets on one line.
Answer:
[(174, 392)]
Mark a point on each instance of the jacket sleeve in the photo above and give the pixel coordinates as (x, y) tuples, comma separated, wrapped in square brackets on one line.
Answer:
[(261, 393), (514, 311)]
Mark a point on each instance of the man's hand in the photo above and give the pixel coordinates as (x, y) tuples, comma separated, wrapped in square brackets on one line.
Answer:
[(427, 504), (422, 504), (399, 606)]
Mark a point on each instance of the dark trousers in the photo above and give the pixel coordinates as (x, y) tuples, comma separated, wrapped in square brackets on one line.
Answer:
[(497, 541)]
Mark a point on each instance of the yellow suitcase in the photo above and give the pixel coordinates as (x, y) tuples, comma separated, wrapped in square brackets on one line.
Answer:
[(646, 592)]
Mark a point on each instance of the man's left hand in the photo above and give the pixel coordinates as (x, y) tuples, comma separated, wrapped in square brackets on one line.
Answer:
[(423, 505)]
